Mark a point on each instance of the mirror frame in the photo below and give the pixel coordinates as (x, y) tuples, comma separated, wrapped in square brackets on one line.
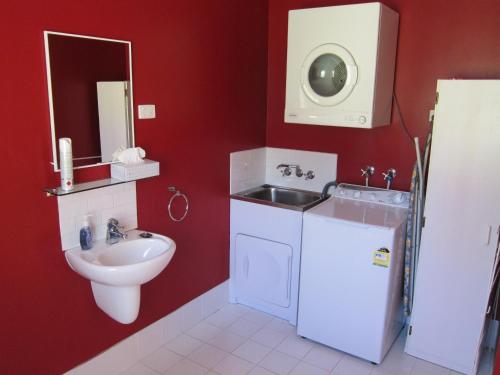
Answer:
[(51, 103)]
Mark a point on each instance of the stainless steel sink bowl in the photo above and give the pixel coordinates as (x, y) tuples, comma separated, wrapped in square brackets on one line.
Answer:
[(293, 199)]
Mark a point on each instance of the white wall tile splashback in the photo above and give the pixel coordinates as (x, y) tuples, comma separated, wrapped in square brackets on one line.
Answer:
[(252, 168), (324, 166), (247, 169), (117, 201)]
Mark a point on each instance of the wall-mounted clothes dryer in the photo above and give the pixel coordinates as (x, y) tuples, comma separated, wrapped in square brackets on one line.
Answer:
[(340, 65)]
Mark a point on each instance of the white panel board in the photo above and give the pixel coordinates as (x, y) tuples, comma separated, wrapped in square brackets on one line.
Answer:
[(463, 202), (113, 117)]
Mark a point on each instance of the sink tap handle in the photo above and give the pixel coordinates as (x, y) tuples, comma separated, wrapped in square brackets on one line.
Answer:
[(112, 221), (389, 176), (391, 173), (367, 173), (309, 175), (369, 170), (286, 171), (298, 171)]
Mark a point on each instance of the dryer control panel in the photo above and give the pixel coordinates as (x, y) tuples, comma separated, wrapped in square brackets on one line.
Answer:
[(372, 194)]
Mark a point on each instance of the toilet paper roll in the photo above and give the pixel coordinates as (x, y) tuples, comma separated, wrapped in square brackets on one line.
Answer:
[(66, 161)]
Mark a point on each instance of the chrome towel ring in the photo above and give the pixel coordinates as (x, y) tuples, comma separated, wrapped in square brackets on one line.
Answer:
[(177, 193)]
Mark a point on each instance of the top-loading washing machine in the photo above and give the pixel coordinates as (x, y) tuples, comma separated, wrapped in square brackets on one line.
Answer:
[(350, 294), (340, 65)]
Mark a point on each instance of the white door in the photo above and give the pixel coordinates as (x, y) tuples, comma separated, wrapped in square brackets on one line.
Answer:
[(263, 270), (462, 218), (113, 109)]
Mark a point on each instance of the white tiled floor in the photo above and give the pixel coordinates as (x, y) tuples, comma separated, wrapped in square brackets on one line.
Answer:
[(238, 340)]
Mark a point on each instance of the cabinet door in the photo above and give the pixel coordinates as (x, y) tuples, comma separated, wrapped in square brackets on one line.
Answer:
[(263, 269), (462, 216)]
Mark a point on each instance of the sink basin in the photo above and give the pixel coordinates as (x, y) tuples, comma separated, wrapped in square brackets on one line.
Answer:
[(117, 271), (300, 200)]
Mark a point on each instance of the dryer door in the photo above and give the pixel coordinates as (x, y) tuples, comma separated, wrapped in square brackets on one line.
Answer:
[(328, 74), (263, 270)]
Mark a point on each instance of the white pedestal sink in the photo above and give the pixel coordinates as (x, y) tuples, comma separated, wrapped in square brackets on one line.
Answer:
[(116, 272)]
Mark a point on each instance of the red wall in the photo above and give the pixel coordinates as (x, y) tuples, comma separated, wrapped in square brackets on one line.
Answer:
[(496, 370), (204, 66), (77, 64), (437, 39)]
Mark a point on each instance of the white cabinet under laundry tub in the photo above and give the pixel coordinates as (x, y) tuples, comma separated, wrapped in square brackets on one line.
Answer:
[(265, 258)]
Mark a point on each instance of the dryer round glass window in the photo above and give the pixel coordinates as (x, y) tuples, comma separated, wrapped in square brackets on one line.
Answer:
[(329, 75)]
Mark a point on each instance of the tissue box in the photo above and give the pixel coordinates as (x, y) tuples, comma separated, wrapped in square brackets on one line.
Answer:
[(130, 172)]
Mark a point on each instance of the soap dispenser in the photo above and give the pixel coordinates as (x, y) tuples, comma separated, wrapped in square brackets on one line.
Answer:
[(86, 234)]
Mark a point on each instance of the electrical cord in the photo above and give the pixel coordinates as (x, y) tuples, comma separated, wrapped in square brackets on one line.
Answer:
[(401, 120)]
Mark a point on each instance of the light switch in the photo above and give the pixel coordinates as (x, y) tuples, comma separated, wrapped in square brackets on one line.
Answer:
[(146, 111)]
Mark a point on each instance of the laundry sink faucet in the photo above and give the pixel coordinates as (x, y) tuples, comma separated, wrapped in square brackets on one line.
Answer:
[(287, 170), (367, 172), (114, 232), (389, 176)]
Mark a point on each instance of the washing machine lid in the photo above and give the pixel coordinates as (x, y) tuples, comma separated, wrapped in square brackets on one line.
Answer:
[(328, 74), (360, 212)]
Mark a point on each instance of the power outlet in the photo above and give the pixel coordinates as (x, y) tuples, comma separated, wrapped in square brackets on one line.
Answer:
[(146, 111)]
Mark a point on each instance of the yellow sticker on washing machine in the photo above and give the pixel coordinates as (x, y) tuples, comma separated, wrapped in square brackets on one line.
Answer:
[(382, 257)]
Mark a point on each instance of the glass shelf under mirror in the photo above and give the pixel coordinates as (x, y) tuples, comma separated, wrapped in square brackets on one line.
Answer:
[(77, 188)]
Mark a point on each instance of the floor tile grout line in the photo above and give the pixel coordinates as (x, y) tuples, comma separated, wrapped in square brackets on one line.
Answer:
[(293, 368), (278, 344), (412, 365), (284, 333), (272, 349), (338, 363), (145, 364), (203, 340), (301, 358), (185, 332), (253, 321), (149, 367), (239, 356), (138, 363)]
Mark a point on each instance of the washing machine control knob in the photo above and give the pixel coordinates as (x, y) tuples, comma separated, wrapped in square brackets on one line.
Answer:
[(362, 119)]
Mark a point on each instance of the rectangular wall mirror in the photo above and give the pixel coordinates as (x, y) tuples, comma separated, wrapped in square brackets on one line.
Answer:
[(90, 96)]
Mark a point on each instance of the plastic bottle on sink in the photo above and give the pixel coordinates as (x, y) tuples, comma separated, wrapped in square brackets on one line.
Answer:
[(86, 235)]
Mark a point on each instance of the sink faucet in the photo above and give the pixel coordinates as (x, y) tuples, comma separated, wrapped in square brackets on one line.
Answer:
[(367, 173), (287, 171), (389, 176), (113, 233)]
